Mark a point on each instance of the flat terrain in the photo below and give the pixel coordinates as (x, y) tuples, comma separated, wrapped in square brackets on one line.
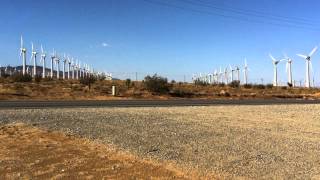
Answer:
[(149, 103), (29, 153), (263, 141)]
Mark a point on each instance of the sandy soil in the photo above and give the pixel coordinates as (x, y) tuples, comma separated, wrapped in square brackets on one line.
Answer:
[(255, 142), (27, 152)]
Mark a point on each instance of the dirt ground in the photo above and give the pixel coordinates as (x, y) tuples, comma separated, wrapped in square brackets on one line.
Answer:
[(27, 152), (233, 142)]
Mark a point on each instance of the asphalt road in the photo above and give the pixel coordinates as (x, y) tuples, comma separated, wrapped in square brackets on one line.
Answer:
[(148, 103)]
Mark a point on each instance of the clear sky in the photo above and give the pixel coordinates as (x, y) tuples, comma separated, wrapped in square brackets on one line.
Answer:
[(169, 37)]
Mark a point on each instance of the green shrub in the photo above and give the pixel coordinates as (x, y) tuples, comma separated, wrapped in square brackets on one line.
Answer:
[(156, 84), (181, 93), (128, 83), (259, 86), (234, 84), (47, 79), (21, 78), (269, 86), (37, 78), (88, 80), (200, 83), (247, 86)]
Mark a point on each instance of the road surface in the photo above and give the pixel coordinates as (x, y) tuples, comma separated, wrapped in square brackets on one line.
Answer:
[(148, 103)]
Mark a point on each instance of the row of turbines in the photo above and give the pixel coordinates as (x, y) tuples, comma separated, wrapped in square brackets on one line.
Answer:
[(289, 61), (226, 76), (74, 69)]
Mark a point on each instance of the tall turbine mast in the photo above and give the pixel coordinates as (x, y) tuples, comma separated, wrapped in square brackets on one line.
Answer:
[(245, 71), (34, 59), (43, 60), (288, 68), (275, 70), (53, 56), (308, 64), (23, 53)]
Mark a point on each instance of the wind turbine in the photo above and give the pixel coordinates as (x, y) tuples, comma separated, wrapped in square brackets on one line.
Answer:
[(77, 69), (231, 71), (288, 68), (43, 60), (275, 70), (226, 78), (69, 64), (308, 64), (58, 66), (220, 76), (73, 68), (245, 71), (238, 73), (53, 56), (23, 53), (64, 66), (34, 58)]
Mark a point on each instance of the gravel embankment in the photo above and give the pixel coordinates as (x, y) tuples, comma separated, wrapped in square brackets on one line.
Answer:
[(280, 141)]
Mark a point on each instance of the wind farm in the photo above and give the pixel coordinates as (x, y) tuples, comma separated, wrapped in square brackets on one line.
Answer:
[(150, 89)]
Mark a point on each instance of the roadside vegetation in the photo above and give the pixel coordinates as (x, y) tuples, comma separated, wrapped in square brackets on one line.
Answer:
[(18, 86)]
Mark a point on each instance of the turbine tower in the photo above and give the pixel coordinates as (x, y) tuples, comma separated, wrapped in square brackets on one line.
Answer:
[(34, 59), (73, 68), (43, 60), (64, 66), (23, 53), (53, 56), (226, 75), (288, 68), (275, 70), (245, 71), (308, 64), (231, 71), (238, 73), (69, 64), (58, 66)]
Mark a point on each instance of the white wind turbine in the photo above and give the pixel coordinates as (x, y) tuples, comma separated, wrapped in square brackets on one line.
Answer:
[(34, 59), (57, 60), (238, 73), (231, 71), (64, 66), (73, 68), (275, 70), (226, 75), (53, 56), (288, 68), (245, 71), (220, 75), (69, 67), (43, 60), (23, 53), (308, 64)]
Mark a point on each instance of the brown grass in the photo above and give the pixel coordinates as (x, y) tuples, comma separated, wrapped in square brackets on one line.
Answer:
[(27, 152), (101, 90)]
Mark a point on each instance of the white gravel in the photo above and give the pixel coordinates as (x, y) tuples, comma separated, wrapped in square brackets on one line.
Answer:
[(281, 141)]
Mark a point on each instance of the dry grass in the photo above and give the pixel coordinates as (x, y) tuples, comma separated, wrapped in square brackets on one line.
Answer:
[(101, 90), (259, 142)]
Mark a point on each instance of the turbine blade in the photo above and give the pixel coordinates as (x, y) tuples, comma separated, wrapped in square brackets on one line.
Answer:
[(311, 68), (285, 56), (32, 46), (303, 56), (273, 59), (41, 49), (313, 51), (21, 42)]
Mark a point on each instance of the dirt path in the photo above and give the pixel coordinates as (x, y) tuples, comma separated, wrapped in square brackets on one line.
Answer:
[(28, 152)]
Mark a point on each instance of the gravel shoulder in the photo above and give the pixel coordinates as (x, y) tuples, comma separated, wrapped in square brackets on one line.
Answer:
[(280, 141)]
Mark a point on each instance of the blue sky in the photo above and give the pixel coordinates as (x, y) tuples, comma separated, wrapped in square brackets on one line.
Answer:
[(180, 39)]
